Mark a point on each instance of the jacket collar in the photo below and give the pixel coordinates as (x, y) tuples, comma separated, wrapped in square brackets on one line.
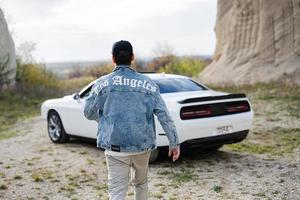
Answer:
[(123, 67)]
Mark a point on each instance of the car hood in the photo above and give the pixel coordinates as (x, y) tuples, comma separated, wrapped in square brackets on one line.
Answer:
[(179, 96)]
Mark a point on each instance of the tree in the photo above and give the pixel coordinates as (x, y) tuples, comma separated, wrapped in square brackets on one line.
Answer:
[(25, 52), (163, 49)]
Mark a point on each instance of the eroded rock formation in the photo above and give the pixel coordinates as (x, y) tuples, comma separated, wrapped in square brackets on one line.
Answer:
[(257, 41), (7, 51)]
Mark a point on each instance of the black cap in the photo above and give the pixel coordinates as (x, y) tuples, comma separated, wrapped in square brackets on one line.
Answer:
[(121, 45)]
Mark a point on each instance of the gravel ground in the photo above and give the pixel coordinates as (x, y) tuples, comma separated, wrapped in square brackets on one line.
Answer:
[(32, 167)]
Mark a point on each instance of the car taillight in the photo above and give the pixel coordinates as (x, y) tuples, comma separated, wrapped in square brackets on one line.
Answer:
[(236, 108), (188, 113), (214, 109)]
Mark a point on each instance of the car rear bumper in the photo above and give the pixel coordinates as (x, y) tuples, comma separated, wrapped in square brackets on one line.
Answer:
[(207, 142)]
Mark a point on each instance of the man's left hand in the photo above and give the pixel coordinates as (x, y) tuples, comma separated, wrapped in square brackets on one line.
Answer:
[(175, 153)]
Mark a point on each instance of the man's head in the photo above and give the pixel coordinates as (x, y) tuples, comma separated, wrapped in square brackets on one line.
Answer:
[(122, 53)]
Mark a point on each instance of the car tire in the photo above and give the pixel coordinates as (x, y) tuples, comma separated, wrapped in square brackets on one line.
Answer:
[(56, 131), (154, 155)]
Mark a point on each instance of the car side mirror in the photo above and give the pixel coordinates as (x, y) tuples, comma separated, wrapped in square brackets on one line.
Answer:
[(76, 96)]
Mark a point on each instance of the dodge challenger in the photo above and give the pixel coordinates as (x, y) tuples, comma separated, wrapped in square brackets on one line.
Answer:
[(204, 118)]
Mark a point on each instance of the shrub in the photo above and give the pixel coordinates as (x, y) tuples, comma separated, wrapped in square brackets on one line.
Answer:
[(157, 63), (75, 84), (184, 66), (98, 71), (36, 80)]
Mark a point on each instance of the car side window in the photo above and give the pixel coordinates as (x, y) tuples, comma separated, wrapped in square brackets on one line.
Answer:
[(86, 93)]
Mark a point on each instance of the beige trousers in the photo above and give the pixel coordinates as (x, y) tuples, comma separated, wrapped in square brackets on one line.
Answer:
[(119, 168)]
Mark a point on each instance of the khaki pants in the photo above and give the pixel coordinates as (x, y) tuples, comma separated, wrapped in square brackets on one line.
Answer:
[(119, 168)]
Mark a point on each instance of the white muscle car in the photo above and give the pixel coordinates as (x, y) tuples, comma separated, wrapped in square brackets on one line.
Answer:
[(204, 118)]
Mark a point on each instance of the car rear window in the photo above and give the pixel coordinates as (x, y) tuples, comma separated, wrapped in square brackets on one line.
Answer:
[(169, 85)]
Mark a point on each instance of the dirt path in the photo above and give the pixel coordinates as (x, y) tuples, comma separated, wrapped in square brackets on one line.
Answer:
[(32, 167)]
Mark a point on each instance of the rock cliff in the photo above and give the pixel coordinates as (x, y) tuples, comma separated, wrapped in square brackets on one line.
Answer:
[(7, 52), (257, 41)]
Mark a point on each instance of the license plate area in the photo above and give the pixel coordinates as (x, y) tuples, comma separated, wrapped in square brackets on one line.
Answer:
[(221, 130)]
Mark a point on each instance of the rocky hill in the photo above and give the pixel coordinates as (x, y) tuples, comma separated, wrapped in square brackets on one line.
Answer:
[(257, 41), (7, 51)]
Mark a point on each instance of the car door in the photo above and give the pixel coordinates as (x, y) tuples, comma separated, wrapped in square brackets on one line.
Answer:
[(77, 123)]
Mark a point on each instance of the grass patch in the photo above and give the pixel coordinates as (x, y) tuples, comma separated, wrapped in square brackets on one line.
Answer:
[(8, 134), (158, 195), (14, 107), (185, 175), (33, 86), (7, 166), (173, 198), (101, 187), (17, 177), (37, 177), (251, 148), (164, 172), (130, 194), (2, 175), (83, 153), (48, 174), (90, 162), (179, 177), (217, 188), (278, 141), (3, 186), (68, 187), (40, 176)]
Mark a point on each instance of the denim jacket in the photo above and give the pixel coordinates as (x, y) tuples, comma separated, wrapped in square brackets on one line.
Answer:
[(124, 102)]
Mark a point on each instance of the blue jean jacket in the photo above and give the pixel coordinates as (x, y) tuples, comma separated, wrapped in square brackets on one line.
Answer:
[(124, 102)]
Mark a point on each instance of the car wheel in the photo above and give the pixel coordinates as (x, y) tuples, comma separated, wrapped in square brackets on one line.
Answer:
[(154, 155), (56, 130)]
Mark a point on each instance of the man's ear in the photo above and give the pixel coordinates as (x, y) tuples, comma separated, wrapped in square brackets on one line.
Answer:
[(132, 57), (113, 59)]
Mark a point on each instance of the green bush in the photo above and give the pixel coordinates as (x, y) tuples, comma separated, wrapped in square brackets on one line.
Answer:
[(75, 84), (33, 79), (98, 71), (184, 66), (158, 63)]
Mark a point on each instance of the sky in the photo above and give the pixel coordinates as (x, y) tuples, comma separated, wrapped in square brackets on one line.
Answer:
[(76, 30)]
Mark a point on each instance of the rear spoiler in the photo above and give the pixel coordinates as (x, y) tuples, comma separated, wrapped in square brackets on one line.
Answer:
[(212, 98)]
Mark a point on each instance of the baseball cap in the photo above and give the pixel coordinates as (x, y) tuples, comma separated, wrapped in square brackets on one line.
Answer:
[(121, 45)]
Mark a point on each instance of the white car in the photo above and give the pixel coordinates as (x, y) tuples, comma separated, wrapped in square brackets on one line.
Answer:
[(204, 118)]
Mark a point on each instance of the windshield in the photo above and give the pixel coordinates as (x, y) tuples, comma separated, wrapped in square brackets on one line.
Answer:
[(169, 85)]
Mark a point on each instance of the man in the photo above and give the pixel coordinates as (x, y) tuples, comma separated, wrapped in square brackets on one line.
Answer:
[(124, 102)]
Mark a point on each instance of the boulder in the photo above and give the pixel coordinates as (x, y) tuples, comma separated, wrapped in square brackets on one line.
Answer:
[(257, 41), (7, 53)]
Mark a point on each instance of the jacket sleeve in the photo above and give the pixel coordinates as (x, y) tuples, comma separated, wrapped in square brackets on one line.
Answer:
[(92, 103), (162, 113)]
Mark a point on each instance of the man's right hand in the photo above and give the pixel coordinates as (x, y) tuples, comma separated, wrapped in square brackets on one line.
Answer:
[(175, 153)]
